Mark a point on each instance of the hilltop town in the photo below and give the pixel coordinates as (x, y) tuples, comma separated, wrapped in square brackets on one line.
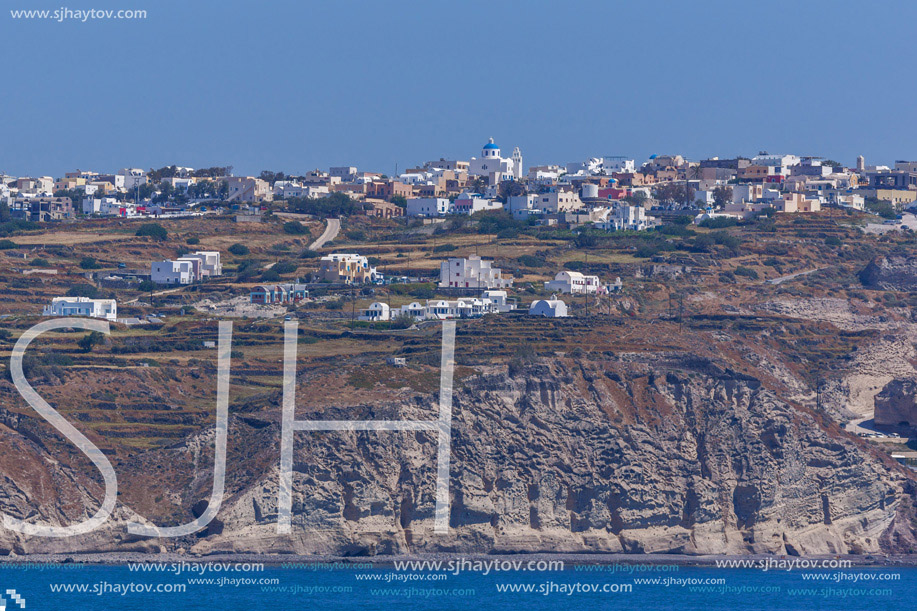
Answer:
[(704, 326), (602, 195)]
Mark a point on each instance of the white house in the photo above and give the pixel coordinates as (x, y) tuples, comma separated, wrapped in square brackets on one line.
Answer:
[(427, 206), (172, 272), (210, 262), (130, 178), (558, 201), (376, 311), (522, 206), (549, 308), (472, 272), (82, 306), (491, 302), (469, 203), (784, 162), (574, 283), (627, 218), (106, 206)]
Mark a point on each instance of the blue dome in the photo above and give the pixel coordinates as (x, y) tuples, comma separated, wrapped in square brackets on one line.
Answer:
[(491, 146)]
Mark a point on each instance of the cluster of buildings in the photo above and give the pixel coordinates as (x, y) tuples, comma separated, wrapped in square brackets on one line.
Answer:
[(490, 302), (278, 294), (186, 269), (610, 192), (459, 273)]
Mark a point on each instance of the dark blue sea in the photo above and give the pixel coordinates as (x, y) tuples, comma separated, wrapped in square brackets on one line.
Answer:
[(180, 586)]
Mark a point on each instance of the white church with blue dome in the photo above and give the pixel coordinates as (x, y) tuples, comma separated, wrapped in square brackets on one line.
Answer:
[(493, 167)]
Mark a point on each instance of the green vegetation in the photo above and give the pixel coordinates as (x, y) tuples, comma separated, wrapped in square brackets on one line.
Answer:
[(285, 267), (881, 207), (533, 261), (335, 205), (153, 230), (8, 245), (90, 340), (10, 227), (719, 222), (746, 272), (295, 228), (240, 250), (83, 290), (89, 263)]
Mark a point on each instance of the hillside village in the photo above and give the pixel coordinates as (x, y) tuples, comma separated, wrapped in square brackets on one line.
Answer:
[(657, 254), (600, 194)]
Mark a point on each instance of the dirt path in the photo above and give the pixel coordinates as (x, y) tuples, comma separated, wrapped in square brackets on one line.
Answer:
[(783, 279), (157, 294)]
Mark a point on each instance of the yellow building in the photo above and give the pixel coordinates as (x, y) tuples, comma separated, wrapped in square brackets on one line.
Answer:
[(347, 268)]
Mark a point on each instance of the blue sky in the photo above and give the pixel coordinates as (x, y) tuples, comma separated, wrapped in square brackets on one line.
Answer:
[(293, 85)]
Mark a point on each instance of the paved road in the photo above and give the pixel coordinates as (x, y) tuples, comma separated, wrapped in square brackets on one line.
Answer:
[(332, 229)]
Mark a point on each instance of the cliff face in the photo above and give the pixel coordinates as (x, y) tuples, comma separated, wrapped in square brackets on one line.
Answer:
[(896, 404), (891, 273), (617, 456), (628, 453)]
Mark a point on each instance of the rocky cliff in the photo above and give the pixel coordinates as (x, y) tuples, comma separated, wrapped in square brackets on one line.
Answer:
[(620, 453), (896, 404), (898, 273)]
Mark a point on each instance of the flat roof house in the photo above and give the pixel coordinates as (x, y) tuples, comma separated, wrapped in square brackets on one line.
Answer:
[(473, 272), (349, 268), (82, 306)]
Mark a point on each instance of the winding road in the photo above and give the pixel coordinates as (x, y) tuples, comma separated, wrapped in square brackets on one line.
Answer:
[(332, 229)]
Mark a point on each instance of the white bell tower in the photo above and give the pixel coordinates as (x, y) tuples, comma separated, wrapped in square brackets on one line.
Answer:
[(517, 163)]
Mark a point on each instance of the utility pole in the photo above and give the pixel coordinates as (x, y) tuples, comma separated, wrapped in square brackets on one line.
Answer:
[(818, 381), (353, 309), (681, 312)]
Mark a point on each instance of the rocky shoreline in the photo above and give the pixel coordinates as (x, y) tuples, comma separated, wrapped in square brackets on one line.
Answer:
[(384, 561)]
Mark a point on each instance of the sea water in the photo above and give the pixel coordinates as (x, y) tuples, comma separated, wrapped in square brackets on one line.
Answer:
[(181, 586)]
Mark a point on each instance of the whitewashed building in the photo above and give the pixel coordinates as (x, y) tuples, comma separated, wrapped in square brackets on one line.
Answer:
[(627, 218), (469, 203), (82, 306), (210, 263), (130, 178), (491, 302), (549, 308), (428, 206), (377, 311), (571, 283), (473, 272), (495, 168), (558, 201), (172, 272)]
